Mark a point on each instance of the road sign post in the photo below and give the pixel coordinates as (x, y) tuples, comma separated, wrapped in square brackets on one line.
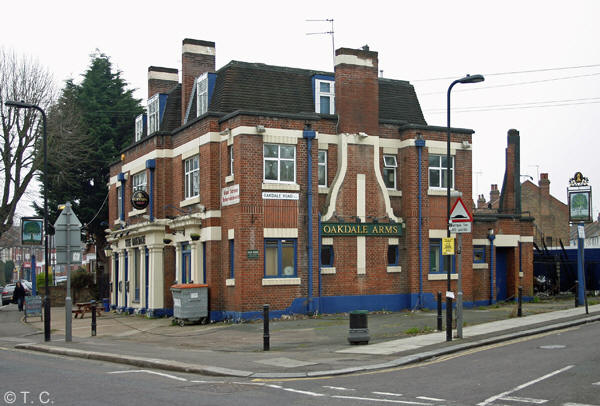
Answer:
[(460, 223), (68, 251)]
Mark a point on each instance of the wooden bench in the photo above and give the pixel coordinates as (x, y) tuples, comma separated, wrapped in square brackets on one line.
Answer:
[(86, 307)]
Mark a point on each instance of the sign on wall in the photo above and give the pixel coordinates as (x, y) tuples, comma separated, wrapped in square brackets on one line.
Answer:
[(230, 195), (361, 229), (280, 196)]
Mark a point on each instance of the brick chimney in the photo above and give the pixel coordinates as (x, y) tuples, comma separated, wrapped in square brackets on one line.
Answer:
[(510, 199), (357, 90), (495, 197), (198, 57), (544, 184), (481, 204), (161, 80)]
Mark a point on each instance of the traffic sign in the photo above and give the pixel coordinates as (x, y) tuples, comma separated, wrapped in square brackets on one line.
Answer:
[(459, 213), (67, 237), (458, 228)]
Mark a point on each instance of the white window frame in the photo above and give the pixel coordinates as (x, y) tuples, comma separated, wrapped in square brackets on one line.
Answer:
[(139, 181), (279, 161), (322, 165), (390, 163), (139, 127), (153, 114), (441, 170), (201, 94), (330, 95), (191, 177)]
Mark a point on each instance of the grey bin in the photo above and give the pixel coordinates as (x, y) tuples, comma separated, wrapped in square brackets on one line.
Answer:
[(190, 303), (358, 332)]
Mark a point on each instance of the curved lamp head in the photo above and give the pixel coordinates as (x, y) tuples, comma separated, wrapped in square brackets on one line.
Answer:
[(471, 79), (18, 104)]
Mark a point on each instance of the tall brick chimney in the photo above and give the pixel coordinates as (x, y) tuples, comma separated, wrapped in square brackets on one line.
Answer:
[(510, 199), (161, 80), (198, 57), (357, 90), (481, 204)]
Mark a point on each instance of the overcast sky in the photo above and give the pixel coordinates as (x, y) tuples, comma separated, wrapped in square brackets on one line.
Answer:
[(556, 106)]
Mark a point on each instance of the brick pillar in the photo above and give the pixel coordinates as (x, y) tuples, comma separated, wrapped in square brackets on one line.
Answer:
[(198, 57), (357, 90)]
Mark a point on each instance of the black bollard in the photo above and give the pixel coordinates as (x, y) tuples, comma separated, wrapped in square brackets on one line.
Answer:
[(266, 336), (93, 318), (439, 309), (576, 293), (448, 318), (520, 310)]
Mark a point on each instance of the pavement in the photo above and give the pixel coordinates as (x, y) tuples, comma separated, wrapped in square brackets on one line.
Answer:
[(300, 346)]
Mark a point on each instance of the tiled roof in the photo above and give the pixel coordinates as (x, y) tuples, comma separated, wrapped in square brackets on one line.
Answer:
[(259, 87)]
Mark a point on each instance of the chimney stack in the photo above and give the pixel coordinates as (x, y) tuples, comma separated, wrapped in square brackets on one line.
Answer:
[(161, 80), (481, 202), (197, 57), (544, 185), (357, 90), (495, 197)]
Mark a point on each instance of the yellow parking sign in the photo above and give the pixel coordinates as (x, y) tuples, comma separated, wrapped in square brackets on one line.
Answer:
[(447, 246)]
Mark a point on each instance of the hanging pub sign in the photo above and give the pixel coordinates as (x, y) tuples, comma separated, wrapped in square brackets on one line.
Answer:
[(31, 230), (580, 199), (140, 200)]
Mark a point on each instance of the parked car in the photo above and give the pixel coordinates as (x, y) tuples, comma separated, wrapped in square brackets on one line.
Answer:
[(7, 291)]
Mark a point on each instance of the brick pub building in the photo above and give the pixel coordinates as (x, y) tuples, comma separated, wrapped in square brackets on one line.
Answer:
[(310, 191)]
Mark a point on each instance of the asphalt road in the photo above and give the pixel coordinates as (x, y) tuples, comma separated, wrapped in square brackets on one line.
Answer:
[(558, 368)]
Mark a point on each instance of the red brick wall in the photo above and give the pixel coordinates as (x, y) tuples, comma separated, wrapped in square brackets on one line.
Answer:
[(193, 65)]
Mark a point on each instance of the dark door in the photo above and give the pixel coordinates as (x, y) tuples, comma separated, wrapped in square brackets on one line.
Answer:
[(501, 274)]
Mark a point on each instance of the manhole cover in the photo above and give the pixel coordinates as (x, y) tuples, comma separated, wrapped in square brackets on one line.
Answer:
[(553, 347)]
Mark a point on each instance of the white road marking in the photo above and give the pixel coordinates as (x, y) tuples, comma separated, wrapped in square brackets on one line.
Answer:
[(576, 404), (501, 395), (432, 399), (405, 402), (219, 382), (596, 383), (387, 394), (302, 392), (150, 372), (524, 400), (338, 388)]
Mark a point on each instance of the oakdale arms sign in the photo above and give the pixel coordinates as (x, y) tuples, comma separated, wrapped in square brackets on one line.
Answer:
[(361, 230)]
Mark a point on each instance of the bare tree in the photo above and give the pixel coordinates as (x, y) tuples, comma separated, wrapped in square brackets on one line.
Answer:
[(21, 78)]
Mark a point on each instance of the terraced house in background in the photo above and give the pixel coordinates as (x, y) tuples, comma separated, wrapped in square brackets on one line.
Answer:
[(310, 191)]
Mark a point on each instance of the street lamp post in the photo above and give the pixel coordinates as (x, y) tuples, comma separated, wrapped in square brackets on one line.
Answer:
[(23, 105), (466, 79)]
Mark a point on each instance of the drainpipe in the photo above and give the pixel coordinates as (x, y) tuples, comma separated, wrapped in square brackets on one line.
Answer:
[(491, 237), (309, 135), (151, 164), (121, 178), (420, 143), (320, 247)]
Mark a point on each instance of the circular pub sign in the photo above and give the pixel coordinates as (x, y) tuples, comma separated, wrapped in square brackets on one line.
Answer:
[(139, 200)]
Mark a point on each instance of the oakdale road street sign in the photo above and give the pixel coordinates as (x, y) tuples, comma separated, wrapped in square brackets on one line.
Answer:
[(460, 218)]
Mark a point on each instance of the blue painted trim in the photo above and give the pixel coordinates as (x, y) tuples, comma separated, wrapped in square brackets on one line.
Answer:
[(186, 251), (151, 164), (126, 277), (320, 247), (146, 277), (279, 258), (309, 135), (212, 79), (162, 105), (420, 144), (121, 178), (204, 261), (116, 281), (491, 238), (231, 259), (157, 313)]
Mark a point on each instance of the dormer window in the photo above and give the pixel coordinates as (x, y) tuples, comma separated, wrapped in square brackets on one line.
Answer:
[(139, 127), (202, 94), (153, 114), (324, 96)]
